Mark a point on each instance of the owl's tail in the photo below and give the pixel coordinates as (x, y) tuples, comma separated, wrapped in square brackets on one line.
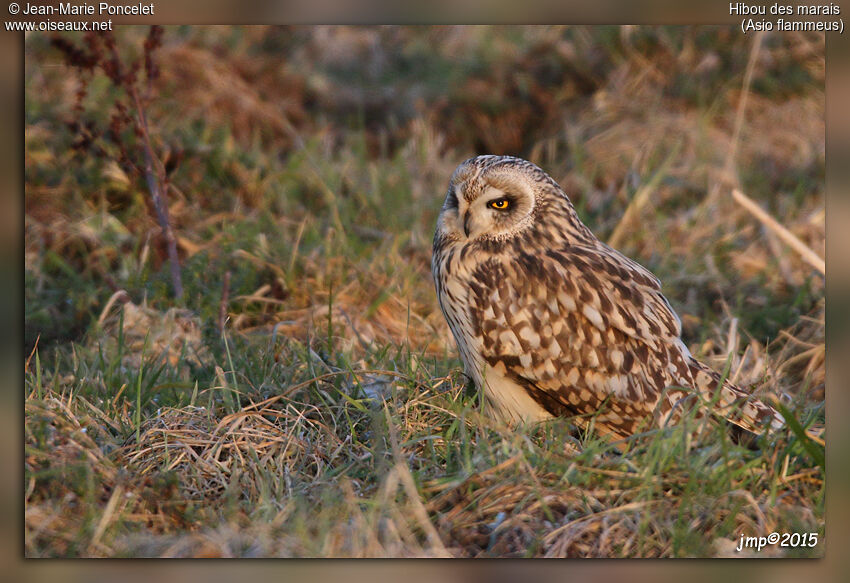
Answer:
[(734, 404)]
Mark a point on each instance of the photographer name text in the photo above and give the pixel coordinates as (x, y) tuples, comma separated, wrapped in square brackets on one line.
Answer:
[(100, 9)]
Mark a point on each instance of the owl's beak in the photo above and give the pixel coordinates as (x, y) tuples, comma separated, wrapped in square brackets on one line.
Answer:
[(466, 223)]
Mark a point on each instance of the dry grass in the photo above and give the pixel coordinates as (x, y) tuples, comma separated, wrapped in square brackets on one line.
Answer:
[(312, 405)]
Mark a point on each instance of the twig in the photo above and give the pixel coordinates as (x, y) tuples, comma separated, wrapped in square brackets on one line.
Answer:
[(156, 186), (732, 338), (419, 511), (402, 471), (106, 517), (729, 174), (363, 343), (124, 76), (729, 166), (121, 296), (29, 358), (787, 236), (222, 306)]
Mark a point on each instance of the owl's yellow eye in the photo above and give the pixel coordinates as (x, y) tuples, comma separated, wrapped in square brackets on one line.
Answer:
[(499, 204)]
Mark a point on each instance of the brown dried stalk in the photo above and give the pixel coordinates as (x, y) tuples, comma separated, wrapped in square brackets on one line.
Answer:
[(787, 236), (157, 183), (125, 76)]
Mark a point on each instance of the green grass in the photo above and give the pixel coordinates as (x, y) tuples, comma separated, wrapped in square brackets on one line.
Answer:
[(329, 417), (315, 469)]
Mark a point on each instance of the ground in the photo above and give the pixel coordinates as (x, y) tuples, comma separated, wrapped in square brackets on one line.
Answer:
[(303, 396)]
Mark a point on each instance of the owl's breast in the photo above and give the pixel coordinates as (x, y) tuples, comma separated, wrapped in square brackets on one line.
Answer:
[(452, 272)]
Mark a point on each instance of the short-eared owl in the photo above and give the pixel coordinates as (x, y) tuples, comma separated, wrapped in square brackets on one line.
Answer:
[(552, 322)]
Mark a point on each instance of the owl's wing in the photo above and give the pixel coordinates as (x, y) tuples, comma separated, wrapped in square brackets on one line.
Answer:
[(586, 331)]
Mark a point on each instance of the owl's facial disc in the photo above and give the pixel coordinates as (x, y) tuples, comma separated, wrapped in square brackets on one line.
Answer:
[(488, 198)]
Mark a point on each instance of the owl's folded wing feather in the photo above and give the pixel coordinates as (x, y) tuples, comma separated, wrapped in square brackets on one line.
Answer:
[(588, 332)]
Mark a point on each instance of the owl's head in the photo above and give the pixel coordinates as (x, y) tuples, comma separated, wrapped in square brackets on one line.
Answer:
[(498, 197)]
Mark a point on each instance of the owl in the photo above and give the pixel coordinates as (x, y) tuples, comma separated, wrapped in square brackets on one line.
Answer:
[(552, 322)]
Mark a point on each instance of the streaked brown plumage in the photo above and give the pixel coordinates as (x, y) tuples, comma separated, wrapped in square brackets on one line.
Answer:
[(552, 322)]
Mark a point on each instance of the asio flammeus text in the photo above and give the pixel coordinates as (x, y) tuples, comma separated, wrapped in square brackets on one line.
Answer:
[(552, 322)]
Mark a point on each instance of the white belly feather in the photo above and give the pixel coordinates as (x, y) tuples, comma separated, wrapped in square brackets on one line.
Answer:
[(506, 399), (503, 398)]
